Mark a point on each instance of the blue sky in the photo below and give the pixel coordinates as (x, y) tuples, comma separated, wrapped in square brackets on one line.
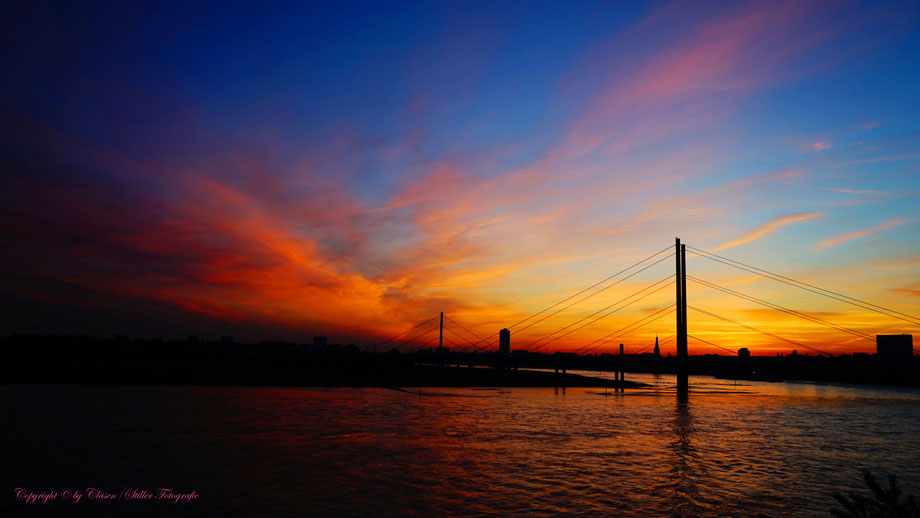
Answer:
[(349, 169)]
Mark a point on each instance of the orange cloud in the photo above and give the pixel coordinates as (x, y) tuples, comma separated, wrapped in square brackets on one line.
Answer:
[(834, 241), (487, 243), (769, 228), (912, 291)]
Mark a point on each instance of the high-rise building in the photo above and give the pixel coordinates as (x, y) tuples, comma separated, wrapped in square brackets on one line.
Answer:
[(894, 347), (504, 341)]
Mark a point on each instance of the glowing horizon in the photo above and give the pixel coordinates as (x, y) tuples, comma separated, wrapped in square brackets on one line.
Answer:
[(352, 171)]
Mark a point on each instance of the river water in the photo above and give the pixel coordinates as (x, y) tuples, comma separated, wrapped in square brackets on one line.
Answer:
[(733, 449)]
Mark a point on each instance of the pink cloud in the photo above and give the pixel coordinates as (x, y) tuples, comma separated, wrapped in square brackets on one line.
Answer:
[(294, 248), (834, 241), (769, 228), (733, 52)]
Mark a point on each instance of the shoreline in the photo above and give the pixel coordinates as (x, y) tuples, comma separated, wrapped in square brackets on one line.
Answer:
[(407, 376)]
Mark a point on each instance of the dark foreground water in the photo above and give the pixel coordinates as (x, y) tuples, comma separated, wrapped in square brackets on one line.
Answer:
[(735, 449)]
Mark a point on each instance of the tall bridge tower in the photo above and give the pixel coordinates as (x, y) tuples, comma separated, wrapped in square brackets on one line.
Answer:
[(683, 385)]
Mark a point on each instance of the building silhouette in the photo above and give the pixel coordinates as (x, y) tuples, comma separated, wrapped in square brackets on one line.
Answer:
[(744, 353), (657, 350), (504, 342), (894, 347)]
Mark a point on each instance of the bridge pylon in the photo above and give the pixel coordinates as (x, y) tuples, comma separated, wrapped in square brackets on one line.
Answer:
[(683, 385)]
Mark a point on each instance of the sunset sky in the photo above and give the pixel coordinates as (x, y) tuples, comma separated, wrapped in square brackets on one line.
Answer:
[(351, 170)]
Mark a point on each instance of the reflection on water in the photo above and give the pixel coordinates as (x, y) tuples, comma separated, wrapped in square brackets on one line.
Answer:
[(684, 465), (730, 449)]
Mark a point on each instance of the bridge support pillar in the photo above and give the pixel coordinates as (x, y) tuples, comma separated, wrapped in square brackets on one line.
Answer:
[(683, 384)]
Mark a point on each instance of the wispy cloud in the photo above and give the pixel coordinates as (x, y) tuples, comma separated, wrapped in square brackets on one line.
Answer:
[(913, 291), (834, 241), (853, 191), (904, 263), (769, 228), (875, 160), (366, 236)]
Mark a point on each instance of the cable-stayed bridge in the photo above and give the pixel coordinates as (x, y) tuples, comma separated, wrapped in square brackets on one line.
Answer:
[(443, 332)]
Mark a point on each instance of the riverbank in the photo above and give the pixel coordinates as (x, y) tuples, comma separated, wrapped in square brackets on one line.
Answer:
[(317, 372), (432, 376)]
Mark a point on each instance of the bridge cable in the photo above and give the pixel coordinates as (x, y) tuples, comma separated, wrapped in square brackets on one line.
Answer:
[(646, 348), (805, 286), (421, 335), (462, 348), (586, 348), (593, 294), (666, 340), (793, 342), (570, 297), (669, 277), (669, 247), (660, 343), (465, 329), (426, 343), (710, 343), (407, 330), (451, 341), (669, 309), (610, 336), (781, 308), (596, 292)]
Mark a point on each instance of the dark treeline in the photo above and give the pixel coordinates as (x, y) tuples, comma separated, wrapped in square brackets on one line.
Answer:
[(66, 359)]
